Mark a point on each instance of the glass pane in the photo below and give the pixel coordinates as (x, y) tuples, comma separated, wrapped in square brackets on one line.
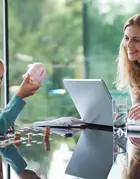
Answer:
[(73, 39), (103, 25), (103, 29), (49, 32)]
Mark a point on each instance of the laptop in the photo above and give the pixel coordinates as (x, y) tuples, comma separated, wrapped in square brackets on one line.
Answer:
[(93, 154), (91, 99)]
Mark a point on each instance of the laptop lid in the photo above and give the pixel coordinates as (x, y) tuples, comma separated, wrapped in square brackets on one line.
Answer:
[(92, 100)]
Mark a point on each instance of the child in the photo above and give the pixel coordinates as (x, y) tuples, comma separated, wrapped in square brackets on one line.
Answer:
[(7, 118)]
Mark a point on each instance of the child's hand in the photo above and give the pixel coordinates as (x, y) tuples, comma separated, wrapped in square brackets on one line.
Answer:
[(28, 174), (27, 88)]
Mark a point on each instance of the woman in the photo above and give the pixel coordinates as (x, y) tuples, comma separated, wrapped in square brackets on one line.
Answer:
[(7, 118), (128, 77)]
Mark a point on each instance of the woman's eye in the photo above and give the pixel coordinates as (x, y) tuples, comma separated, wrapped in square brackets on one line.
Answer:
[(136, 40)]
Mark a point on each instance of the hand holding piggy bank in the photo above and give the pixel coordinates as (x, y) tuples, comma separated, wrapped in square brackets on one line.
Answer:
[(37, 72)]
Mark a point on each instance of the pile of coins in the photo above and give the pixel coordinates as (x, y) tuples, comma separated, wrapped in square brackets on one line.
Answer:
[(30, 138)]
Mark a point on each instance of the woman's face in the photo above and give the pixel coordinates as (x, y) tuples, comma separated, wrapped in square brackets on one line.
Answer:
[(131, 42)]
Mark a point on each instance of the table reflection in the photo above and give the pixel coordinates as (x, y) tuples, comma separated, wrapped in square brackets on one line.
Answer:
[(47, 164), (49, 154)]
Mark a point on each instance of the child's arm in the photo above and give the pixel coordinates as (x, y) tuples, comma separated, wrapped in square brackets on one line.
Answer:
[(9, 114), (13, 158)]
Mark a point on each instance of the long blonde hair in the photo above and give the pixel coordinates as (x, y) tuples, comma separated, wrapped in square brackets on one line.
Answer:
[(133, 171), (128, 72)]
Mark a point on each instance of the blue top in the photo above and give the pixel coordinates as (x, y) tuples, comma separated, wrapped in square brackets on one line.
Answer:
[(7, 118)]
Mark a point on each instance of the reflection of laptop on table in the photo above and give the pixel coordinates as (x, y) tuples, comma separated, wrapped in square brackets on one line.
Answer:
[(93, 155)]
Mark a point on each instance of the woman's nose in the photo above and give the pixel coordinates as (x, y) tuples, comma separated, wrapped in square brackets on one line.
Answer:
[(130, 43)]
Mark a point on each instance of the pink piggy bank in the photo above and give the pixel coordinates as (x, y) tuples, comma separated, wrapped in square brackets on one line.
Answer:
[(37, 72)]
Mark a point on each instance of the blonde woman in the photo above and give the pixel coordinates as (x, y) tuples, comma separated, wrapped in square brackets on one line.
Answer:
[(128, 77)]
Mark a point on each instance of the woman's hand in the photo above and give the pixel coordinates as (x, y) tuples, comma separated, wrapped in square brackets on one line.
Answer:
[(134, 114), (28, 174), (27, 88), (135, 141)]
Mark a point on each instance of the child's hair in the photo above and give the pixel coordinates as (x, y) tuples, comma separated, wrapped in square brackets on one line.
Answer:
[(1, 61)]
